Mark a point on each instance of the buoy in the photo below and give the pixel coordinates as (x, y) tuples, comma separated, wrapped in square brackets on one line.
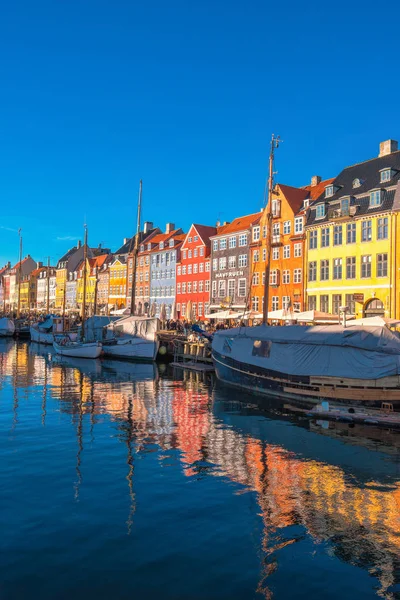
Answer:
[(162, 350)]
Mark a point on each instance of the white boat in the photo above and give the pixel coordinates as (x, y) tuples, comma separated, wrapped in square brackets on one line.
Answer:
[(66, 347), (132, 337), (44, 332), (7, 327)]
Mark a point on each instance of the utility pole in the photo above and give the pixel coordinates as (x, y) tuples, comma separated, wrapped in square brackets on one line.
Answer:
[(274, 144), (135, 251), (19, 273)]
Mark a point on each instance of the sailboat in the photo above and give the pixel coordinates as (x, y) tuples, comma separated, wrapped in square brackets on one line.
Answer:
[(132, 336), (63, 344), (308, 364)]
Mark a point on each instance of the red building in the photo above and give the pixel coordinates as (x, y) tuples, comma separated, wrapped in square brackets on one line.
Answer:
[(193, 273)]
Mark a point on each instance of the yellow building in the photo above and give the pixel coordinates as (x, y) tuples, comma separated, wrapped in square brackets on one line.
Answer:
[(352, 233), (24, 294), (118, 272), (65, 265), (92, 269)]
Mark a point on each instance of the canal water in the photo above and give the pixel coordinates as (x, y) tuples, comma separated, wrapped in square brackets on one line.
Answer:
[(123, 480)]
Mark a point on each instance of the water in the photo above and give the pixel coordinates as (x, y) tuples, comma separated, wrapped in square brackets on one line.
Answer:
[(133, 481)]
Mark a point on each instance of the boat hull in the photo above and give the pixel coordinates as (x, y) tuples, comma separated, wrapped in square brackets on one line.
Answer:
[(7, 327), (136, 349), (43, 337), (90, 350), (306, 390)]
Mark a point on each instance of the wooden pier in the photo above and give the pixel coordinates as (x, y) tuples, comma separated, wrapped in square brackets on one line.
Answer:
[(195, 355)]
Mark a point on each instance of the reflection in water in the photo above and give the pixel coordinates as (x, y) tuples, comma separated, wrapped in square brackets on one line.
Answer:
[(299, 497)]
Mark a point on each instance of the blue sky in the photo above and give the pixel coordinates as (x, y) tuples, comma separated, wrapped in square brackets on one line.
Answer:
[(185, 95)]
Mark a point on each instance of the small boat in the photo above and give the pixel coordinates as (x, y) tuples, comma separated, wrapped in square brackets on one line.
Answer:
[(66, 347), (132, 337), (22, 329), (7, 327), (44, 332)]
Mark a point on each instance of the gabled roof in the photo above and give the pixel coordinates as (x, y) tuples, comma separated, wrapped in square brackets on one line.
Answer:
[(126, 246), (239, 224), (315, 191), (204, 231), (294, 196), (67, 255), (98, 261), (176, 234)]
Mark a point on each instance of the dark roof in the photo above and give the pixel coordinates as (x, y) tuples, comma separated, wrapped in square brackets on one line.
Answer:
[(126, 247), (67, 255), (294, 196)]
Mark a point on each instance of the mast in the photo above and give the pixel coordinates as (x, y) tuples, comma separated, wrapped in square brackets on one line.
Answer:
[(84, 286), (274, 144), (19, 273), (135, 250), (96, 281), (48, 285)]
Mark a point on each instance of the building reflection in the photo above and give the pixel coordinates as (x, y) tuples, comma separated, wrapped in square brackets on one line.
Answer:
[(360, 520)]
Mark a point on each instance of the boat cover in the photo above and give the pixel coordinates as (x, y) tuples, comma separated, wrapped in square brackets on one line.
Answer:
[(142, 327), (7, 325), (96, 328), (330, 351)]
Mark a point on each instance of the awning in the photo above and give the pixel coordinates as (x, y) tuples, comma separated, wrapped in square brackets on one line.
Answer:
[(224, 314)]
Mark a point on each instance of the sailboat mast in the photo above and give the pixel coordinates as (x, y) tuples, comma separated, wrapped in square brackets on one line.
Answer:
[(84, 285), (19, 274), (135, 250), (274, 144), (48, 285)]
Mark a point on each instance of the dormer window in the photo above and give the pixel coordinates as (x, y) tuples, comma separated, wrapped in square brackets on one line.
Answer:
[(161, 245), (171, 243), (375, 198), (306, 203), (328, 191), (320, 211), (345, 206), (386, 175), (142, 248), (148, 246), (356, 183)]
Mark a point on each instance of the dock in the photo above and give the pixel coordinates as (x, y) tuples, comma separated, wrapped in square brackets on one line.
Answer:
[(194, 355)]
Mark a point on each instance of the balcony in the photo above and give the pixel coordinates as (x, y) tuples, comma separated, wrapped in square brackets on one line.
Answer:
[(342, 213)]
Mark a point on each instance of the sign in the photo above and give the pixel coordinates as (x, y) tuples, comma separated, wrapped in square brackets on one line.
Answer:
[(359, 298), (229, 274)]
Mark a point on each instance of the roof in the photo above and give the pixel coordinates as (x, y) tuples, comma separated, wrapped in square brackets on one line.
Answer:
[(67, 255), (176, 235), (239, 224), (316, 190), (126, 246), (294, 196), (98, 261)]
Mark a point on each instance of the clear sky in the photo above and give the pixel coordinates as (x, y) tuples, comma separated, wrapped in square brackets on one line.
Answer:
[(97, 94)]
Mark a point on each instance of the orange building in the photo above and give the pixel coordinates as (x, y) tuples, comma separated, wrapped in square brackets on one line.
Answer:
[(286, 289)]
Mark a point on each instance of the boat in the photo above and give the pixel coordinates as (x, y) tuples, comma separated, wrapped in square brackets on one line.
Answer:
[(7, 327), (43, 332), (132, 337), (64, 345), (22, 329)]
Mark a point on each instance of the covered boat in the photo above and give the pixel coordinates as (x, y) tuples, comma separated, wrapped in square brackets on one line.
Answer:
[(7, 327), (355, 364), (43, 332), (64, 346), (132, 337)]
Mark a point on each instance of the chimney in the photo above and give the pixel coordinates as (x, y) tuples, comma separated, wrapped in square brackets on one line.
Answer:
[(169, 227), (147, 226), (217, 224), (387, 147), (9, 265), (79, 244), (125, 240), (39, 265), (315, 180), (100, 246), (226, 222)]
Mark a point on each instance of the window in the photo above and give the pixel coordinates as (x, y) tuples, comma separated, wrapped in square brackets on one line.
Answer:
[(232, 242), (356, 183), (286, 276), (298, 250), (285, 302), (255, 303), (195, 252), (336, 303), (184, 254), (382, 266), (337, 268), (366, 231), (183, 313), (215, 264), (297, 275), (324, 303), (178, 288), (208, 267), (200, 310), (242, 239), (202, 251), (190, 269), (328, 191), (264, 231), (242, 260), (189, 288), (366, 266), (350, 303), (351, 233), (273, 277), (337, 235), (201, 286), (275, 302), (232, 262), (222, 244), (276, 208), (207, 285), (324, 270), (183, 288), (196, 238), (320, 211), (194, 287), (298, 225), (189, 254), (275, 253), (264, 254), (256, 233), (312, 302), (286, 251), (351, 267), (386, 175), (201, 268), (190, 240), (242, 288), (221, 288), (325, 237), (382, 228), (222, 263), (313, 239), (256, 278), (195, 268), (231, 288), (287, 226), (184, 270), (256, 256), (215, 245), (375, 198), (312, 271), (214, 289), (171, 243)]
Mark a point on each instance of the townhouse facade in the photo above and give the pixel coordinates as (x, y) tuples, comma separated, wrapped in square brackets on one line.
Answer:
[(193, 273), (18, 275), (231, 264), (42, 289), (164, 254), (352, 239), (142, 291)]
